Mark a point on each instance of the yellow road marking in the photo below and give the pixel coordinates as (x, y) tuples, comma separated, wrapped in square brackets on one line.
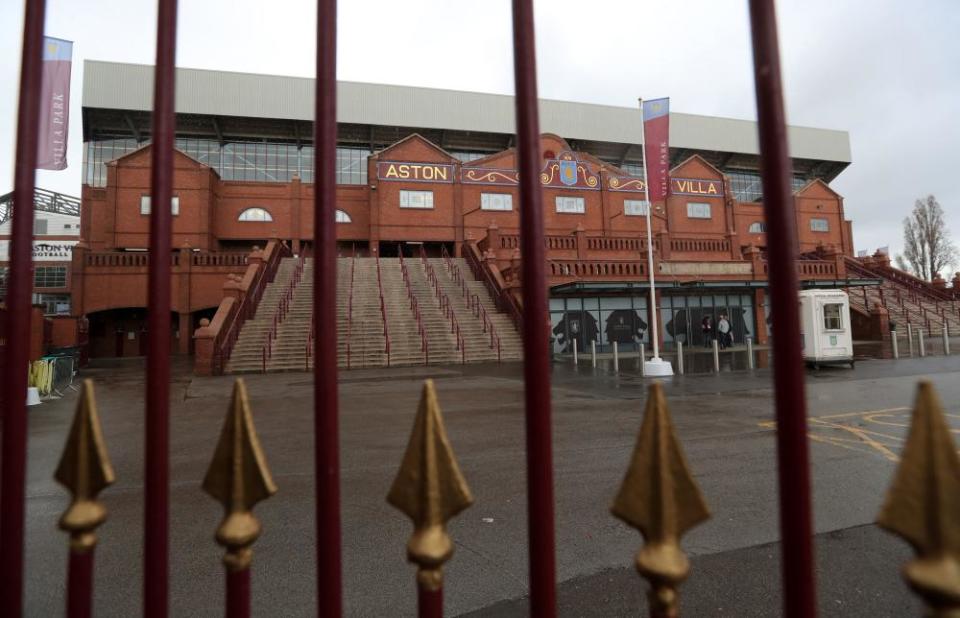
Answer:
[(862, 412), (864, 440)]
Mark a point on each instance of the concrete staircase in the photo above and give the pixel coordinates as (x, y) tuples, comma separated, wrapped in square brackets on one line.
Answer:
[(905, 304), (361, 340), (479, 346), (247, 353)]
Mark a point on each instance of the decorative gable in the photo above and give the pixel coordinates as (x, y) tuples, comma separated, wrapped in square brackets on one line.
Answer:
[(817, 189)]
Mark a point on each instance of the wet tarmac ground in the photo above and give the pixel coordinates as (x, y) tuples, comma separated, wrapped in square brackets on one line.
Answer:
[(858, 422)]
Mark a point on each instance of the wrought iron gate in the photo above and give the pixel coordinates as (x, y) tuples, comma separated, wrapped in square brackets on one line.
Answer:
[(429, 487)]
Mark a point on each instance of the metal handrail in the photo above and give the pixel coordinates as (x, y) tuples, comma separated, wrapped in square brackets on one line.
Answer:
[(353, 270), (472, 301), (383, 313), (445, 306), (225, 340), (501, 298), (283, 308), (415, 308)]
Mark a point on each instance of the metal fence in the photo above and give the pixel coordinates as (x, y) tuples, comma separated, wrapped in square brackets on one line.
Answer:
[(86, 477)]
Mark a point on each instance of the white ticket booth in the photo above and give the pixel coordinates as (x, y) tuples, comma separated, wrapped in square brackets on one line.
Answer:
[(825, 327)]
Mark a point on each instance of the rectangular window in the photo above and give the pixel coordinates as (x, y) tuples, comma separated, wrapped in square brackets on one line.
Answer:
[(416, 199), (819, 225), (53, 304), (40, 227), (698, 210), (831, 316), (496, 201), (633, 169), (636, 208), (570, 204), (50, 277), (145, 205)]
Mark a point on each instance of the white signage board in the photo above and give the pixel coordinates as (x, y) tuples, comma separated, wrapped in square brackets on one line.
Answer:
[(43, 250)]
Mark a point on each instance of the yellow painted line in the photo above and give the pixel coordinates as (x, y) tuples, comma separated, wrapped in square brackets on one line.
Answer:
[(862, 439), (862, 412), (864, 435)]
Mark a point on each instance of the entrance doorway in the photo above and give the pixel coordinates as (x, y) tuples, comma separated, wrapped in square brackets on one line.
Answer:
[(392, 249)]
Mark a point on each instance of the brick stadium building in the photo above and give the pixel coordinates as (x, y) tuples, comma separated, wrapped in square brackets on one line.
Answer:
[(432, 170)]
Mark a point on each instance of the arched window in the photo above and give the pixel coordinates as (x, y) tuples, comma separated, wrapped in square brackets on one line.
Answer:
[(343, 217), (255, 214), (757, 227)]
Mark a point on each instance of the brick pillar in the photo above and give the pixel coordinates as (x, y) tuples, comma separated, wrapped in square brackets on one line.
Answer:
[(664, 237), (182, 301), (879, 323), (493, 238), (759, 316), (36, 332), (256, 256), (459, 223), (78, 264), (581, 235), (752, 253), (203, 349), (232, 287), (183, 342)]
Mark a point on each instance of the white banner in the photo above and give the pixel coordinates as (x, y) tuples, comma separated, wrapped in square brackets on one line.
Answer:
[(43, 250)]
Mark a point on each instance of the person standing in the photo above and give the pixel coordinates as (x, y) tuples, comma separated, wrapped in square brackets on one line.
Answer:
[(723, 331), (706, 327)]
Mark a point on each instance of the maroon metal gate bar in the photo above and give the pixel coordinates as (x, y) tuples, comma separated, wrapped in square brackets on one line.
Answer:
[(794, 481), (536, 363), (14, 396), (326, 433), (799, 594), (156, 452)]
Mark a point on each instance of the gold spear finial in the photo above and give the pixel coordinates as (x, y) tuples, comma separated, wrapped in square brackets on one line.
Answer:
[(659, 498), (85, 470), (430, 489), (238, 478), (923, 506)]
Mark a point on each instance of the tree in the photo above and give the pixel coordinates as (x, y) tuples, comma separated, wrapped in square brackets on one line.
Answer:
[(927, 248)]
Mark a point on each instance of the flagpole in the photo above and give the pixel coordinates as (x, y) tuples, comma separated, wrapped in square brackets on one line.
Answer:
[(655, 366)]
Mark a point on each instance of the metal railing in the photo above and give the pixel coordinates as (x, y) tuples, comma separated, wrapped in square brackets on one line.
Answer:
[(415, 309), (280, 313), (799, 593), (383, 313), (472, 302), (501, 298), (229, 332), (445, 306), (353, 272)]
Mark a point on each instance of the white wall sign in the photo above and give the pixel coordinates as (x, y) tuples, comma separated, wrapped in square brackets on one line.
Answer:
[(43, 250)]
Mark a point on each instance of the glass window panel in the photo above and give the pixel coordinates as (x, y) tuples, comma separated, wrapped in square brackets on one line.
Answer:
[(633, 169), (832, 316), (570, 204), (255, 214), (633, 208), (416, 199), (50, 277), (698, 210), (819, 225), (496, 201)]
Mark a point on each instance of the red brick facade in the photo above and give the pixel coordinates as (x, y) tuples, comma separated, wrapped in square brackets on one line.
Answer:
[(210, 207), (700, 232)]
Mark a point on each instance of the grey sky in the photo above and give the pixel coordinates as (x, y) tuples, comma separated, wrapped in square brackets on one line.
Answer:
[(886, 71)]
